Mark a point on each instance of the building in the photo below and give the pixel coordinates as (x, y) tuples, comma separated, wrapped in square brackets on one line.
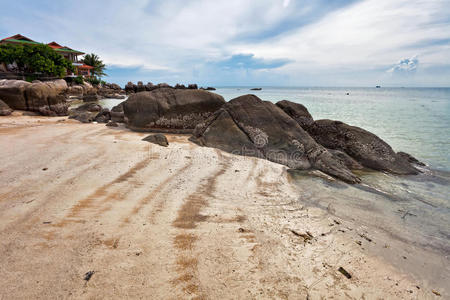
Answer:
[(68, 53)]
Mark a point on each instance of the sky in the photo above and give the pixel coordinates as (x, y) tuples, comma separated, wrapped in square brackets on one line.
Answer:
[(249, 42)]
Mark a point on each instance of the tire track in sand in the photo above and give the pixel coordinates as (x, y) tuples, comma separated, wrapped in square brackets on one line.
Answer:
[(189, 215), (101, 193), (154, 193)]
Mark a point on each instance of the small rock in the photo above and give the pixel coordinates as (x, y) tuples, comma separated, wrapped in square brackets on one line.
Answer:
[(112, 124), (436, 293), (88, 275), (159, 139)]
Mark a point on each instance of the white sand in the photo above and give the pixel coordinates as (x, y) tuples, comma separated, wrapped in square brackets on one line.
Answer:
[(182, 222)]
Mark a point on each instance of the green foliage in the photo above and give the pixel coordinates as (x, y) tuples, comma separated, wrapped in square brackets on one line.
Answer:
[(35, 59), (30, 78), (78, 80), (93, 80), (93, 60)]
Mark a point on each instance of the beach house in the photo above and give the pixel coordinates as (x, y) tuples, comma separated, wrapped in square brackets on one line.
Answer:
[(68, 53)]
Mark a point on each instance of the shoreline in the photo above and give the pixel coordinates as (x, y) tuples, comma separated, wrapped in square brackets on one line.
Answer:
[(183, 221)]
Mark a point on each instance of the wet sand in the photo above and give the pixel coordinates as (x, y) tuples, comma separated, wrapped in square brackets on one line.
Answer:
[(182, 222)]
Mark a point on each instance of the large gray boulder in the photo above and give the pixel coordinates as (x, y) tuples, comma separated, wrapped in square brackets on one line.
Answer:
[(12, 92), (170, 110), (365, 147), (5, 110), (47, 98), (354, 146), (249, 126)]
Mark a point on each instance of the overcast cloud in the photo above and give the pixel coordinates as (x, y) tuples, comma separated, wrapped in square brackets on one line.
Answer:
[(243, 42)]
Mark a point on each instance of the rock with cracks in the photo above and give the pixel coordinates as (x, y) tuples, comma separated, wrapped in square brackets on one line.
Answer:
[(365, 147), (249, 126), (170, 110), (47, 98)]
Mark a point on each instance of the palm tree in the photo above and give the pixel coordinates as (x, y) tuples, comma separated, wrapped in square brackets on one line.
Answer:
[(93, 60)]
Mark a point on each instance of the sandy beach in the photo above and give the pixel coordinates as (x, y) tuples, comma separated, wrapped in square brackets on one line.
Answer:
[(182, 222)]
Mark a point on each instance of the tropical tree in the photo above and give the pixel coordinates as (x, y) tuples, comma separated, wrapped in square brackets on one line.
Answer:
[(93, 60), (39, 59)]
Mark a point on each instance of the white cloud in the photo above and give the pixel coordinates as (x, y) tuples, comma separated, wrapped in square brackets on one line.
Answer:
[(405, 66), (183, 37)]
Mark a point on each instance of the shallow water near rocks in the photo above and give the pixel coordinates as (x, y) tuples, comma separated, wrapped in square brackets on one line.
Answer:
[(408, 217)]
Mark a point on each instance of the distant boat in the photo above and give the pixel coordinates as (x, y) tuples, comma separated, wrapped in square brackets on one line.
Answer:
[(378, 86), (255, 89)]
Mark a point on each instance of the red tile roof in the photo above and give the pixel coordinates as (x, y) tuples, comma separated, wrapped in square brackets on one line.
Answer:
[(18, 37), (54, 45), (85, 67)]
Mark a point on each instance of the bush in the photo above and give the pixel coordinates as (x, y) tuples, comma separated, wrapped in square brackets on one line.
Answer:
[(39, 59), (93, 80), (30, 78), (78, 80)]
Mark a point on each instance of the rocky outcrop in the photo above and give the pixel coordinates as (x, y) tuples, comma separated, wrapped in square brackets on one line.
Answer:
[(158, 138), (140, 87), (170, 110), (150, 86), (249, 126), (130, 88), (180, 86), (365, 147), (103, 116), (355, 146), (47, 98), (117, 114), (89, 112), (297, 112), (164, 85), (5, 110), (91, 97)]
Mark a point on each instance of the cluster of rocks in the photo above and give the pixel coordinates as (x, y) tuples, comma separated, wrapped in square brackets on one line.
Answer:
[(51, 98), (47, 98), (284, 132), (141, 87), (92, 112), (90, 93)]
